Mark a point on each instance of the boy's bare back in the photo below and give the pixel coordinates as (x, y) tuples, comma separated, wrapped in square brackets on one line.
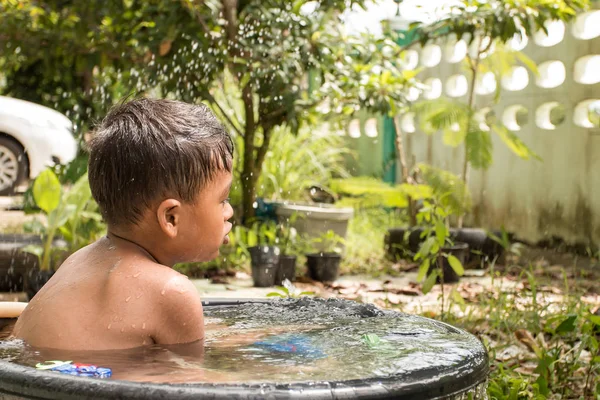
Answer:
[(161, 172), (111, 295)]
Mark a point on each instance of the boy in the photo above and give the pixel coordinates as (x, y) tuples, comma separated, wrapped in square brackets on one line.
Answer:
[(160, 171)]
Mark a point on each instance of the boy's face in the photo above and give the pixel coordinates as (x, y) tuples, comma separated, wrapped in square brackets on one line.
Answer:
[(204, 225)]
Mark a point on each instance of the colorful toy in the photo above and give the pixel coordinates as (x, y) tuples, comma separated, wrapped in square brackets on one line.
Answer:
[(301, 345), (70, 368)]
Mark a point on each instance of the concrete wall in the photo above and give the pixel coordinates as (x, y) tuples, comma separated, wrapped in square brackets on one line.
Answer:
[(559, 196)]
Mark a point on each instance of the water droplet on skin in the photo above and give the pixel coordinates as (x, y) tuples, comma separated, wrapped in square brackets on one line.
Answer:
[(138, 296), (122, 329), (127, 299), (163, 292), (136, 275), (144, 326), (133, 326), (182, 291), (108, 327)]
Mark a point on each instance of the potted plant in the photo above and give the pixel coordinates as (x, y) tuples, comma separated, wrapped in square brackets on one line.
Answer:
[(264, 254), (441, 259), (324, 263)]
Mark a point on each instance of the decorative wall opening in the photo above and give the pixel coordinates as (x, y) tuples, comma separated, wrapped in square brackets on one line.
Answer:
[(411, 59), (431, 55), (413, 94), (517, 79), (587, 69), (587, 114), (481, 118), (515, 117), (551, 74), (354, 129), (587, 25), (371, 128), (486, 84), (434, 89), (549, 115), (457, 86), (407, 123), (519, 42), (556, 33), (456, 51)]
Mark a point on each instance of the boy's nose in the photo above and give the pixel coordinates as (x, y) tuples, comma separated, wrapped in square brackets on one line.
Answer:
[(228, 212)]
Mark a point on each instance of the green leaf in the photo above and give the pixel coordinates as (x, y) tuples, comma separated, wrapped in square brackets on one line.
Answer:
[(427, 246), (454, 138), (46, 191), (423, 269), (441, 232), (371, 339), (456, 265), (567, 325), (479, 148), (275, 294), (33, 249), (430, 281), (458, 299), (513, 142), (595, 319)]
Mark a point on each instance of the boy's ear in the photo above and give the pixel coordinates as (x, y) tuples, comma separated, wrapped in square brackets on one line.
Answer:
[(169, 216)]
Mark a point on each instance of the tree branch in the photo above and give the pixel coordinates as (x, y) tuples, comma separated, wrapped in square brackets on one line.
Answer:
[(214, 101)]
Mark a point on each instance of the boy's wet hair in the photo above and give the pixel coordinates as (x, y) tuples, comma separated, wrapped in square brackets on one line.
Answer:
[(146, 150)]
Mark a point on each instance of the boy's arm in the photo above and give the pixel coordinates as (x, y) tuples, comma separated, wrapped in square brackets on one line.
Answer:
[(180, 317)]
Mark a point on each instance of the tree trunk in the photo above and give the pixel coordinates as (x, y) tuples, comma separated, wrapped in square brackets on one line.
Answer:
[(404, 171)]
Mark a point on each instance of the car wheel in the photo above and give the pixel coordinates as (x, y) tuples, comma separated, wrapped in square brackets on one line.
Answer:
[(13, 165)]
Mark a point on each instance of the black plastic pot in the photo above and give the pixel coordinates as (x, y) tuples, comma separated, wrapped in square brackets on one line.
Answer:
[(265, 263), (400, 245), (286, 270), (458, 250), (19, 270), (323, 267)]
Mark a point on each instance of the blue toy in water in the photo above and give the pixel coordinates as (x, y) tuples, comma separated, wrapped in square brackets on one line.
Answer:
[(297, 344), (69, 368)]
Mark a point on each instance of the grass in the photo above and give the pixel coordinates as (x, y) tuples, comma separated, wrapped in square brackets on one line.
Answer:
[(364, 252), (542, 339), (540, 321)]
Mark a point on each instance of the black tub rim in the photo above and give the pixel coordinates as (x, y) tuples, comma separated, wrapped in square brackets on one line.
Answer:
[(17, 380)]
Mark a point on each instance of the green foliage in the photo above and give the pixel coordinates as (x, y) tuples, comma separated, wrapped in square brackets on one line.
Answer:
[(289, 240), (501, 20), (366, 191), (433, 217), (328, 242), (301, 161), (365, 251), (73, 214), (99, 51), (448, 189), (460, 126)]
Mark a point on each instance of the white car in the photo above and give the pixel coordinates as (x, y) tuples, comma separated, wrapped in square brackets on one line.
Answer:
[(32, 137)]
